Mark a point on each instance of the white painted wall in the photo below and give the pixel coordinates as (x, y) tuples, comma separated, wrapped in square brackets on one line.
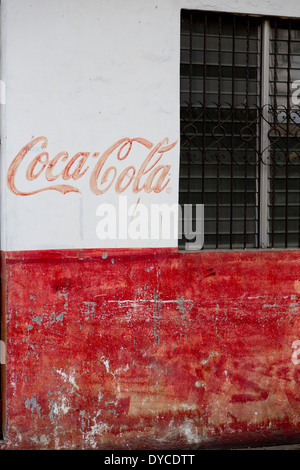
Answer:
[(86, 73)]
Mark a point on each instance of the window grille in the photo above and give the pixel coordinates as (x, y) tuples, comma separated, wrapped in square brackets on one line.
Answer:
[(240, 128)]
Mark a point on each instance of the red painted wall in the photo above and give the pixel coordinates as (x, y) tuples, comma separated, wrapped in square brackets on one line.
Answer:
[(151, 349)]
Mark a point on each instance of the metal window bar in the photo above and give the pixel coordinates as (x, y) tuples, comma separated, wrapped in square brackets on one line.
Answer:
[(263, 131), (239, 140)]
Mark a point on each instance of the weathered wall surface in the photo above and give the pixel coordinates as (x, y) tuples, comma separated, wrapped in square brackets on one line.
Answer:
[(141, 347), (152, 349)]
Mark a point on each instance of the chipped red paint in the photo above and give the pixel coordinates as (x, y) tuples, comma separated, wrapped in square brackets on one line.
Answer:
[(151, 349)]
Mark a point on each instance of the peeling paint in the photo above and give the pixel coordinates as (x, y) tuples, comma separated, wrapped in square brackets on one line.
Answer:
[(32, 405), (68, 378), (134, 354)]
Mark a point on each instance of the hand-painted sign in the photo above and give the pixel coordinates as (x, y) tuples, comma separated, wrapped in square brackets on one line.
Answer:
[(102, 177)]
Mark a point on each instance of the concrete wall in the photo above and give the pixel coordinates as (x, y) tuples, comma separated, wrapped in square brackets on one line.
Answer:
[(83, 75), (123, 343)]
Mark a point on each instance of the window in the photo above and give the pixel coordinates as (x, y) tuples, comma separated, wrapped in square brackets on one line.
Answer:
[(240, 128)]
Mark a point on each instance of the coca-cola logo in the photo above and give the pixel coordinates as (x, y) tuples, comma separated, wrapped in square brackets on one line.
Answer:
[(101, 170)]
